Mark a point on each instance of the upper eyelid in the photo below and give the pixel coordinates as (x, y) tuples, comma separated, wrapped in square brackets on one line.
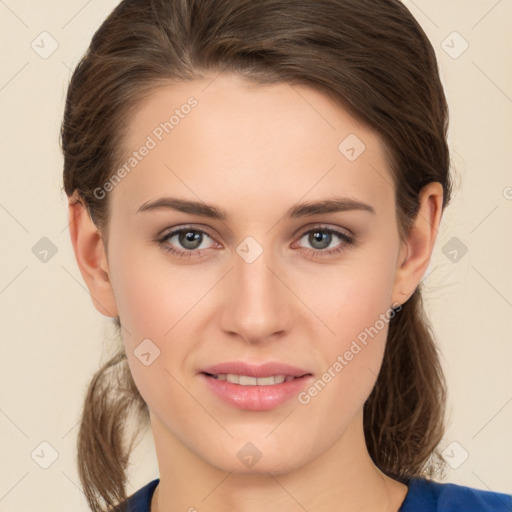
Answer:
[(174, 231), (324, 227)]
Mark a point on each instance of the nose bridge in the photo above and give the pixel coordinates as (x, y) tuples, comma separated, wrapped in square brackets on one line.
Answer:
[(257, 307)]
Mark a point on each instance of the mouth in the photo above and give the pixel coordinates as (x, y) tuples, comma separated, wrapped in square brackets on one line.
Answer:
[(248, 380), (267, 386)]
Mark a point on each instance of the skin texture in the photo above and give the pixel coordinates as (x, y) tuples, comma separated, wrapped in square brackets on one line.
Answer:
[(255, 151)]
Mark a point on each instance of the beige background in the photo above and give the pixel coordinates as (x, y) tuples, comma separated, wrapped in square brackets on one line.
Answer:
[(53, 339)]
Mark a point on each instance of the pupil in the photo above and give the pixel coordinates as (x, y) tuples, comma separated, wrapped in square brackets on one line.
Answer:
[(190, 237), (319, 236)]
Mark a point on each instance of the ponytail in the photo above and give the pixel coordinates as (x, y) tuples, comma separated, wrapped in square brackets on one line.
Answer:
[(102, 454), (404, 414)]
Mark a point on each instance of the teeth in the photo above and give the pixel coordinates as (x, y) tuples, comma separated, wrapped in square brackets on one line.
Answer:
[(246, 380), (235, 379), (267, 381)]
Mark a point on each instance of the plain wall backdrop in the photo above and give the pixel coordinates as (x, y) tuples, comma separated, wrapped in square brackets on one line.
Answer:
[(53, 339)]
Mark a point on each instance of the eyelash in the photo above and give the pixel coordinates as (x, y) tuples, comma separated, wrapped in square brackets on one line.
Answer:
[(347, 240)]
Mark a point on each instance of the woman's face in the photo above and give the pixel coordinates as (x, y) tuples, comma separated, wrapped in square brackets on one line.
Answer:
[(270, 282)]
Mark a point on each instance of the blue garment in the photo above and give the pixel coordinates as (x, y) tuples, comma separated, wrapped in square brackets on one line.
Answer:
[(423, 496), (430, 496)]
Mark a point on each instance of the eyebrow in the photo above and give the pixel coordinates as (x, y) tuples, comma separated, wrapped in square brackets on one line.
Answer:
[(340, 204)]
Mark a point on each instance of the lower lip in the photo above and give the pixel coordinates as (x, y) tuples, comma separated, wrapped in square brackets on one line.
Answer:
[(256, 398)]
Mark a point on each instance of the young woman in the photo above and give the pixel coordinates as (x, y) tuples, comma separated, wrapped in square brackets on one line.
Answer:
[(255, 189)]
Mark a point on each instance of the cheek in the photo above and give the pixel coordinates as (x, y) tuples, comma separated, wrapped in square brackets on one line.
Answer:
[(351, 296), (352, 361), (356, 308), (153, 296), (157, 306)]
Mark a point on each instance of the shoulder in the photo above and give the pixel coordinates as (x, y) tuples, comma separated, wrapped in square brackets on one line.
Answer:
[(140, 501), (430, 496)]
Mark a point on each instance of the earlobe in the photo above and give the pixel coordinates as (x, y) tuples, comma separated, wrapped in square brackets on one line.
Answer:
[(91, 257), (416, 251)]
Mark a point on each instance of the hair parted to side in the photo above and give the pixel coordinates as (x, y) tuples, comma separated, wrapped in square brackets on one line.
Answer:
[(373, 59)]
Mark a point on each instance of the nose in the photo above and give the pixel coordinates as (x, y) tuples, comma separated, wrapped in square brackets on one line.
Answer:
[(258, 304)]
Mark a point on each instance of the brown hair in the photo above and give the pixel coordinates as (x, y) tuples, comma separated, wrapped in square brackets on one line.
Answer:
[(373, 59)]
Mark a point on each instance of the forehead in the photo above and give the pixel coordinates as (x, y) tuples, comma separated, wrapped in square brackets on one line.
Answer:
[(222, 139)]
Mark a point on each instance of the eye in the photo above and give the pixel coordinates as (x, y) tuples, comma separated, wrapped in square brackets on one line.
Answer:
[(320, 238), (189, 242)]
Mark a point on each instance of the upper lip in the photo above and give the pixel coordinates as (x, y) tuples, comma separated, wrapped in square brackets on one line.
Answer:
[(267, 369)]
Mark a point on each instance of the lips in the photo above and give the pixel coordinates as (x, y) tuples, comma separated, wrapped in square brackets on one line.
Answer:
[(255, 387), (247, 380), (242, 368)]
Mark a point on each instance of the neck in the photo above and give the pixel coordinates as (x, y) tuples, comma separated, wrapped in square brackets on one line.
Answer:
[(343, 478)]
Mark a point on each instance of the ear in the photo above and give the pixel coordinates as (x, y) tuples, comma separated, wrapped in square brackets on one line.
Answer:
[(91, 257), (417, 249)]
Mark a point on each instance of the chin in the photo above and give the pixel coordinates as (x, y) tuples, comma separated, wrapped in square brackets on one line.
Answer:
[(273, 467), (249, 460)]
